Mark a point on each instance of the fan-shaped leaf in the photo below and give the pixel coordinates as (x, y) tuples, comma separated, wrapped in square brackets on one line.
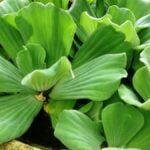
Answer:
[(44, 79), (121, 123), (78, 132), (125, 14), (16, 115), (93, 79), (140, 8), (96, 45), (49, 26)]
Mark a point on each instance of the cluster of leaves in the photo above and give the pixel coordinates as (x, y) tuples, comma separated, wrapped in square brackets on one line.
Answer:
[(88, 60)]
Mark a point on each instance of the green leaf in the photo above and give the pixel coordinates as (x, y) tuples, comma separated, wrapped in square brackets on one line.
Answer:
[(140, 8), (115, 148), (121, 123), (129, 97), (16, 115), (93, 79), (44, 79), (10, 77), (9, 6), (142, 138), (61, 3), (92, 49), (78, 7), (143, 22), (125, 14), (78, 132), (53, 28), (10, 38), (31, 58), (55, 108), (100, 8), (144, 36), (141, 82), (145, 56)]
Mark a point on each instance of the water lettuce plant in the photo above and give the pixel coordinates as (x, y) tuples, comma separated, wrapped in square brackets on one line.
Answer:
[(85, 62)]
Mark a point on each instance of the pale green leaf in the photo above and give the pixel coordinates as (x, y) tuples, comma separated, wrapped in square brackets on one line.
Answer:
[(93, 79), (141, 82), (44, 79), (143, 22), (53, 28), (9, 6), (78, 132), (131, 98), (140, 8), (120, 15), (115, 148), (121, 123), (145, 56), (142, 138), (16, 115), (31, 58)]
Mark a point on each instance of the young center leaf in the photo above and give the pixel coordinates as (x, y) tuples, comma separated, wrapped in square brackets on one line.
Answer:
[(121, 123), (78, 132), (93, 79), (31, 58), (44, 79)]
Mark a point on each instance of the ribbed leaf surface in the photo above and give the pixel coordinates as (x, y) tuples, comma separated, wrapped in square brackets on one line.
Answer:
[(31, 58), (121, 123), (142, 139), (44, 79), (10, 38), (16, 115), (49, 26), (93, 79), (98, 44), (138, 7), (10, 77), (78, 132), (9, 6)]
